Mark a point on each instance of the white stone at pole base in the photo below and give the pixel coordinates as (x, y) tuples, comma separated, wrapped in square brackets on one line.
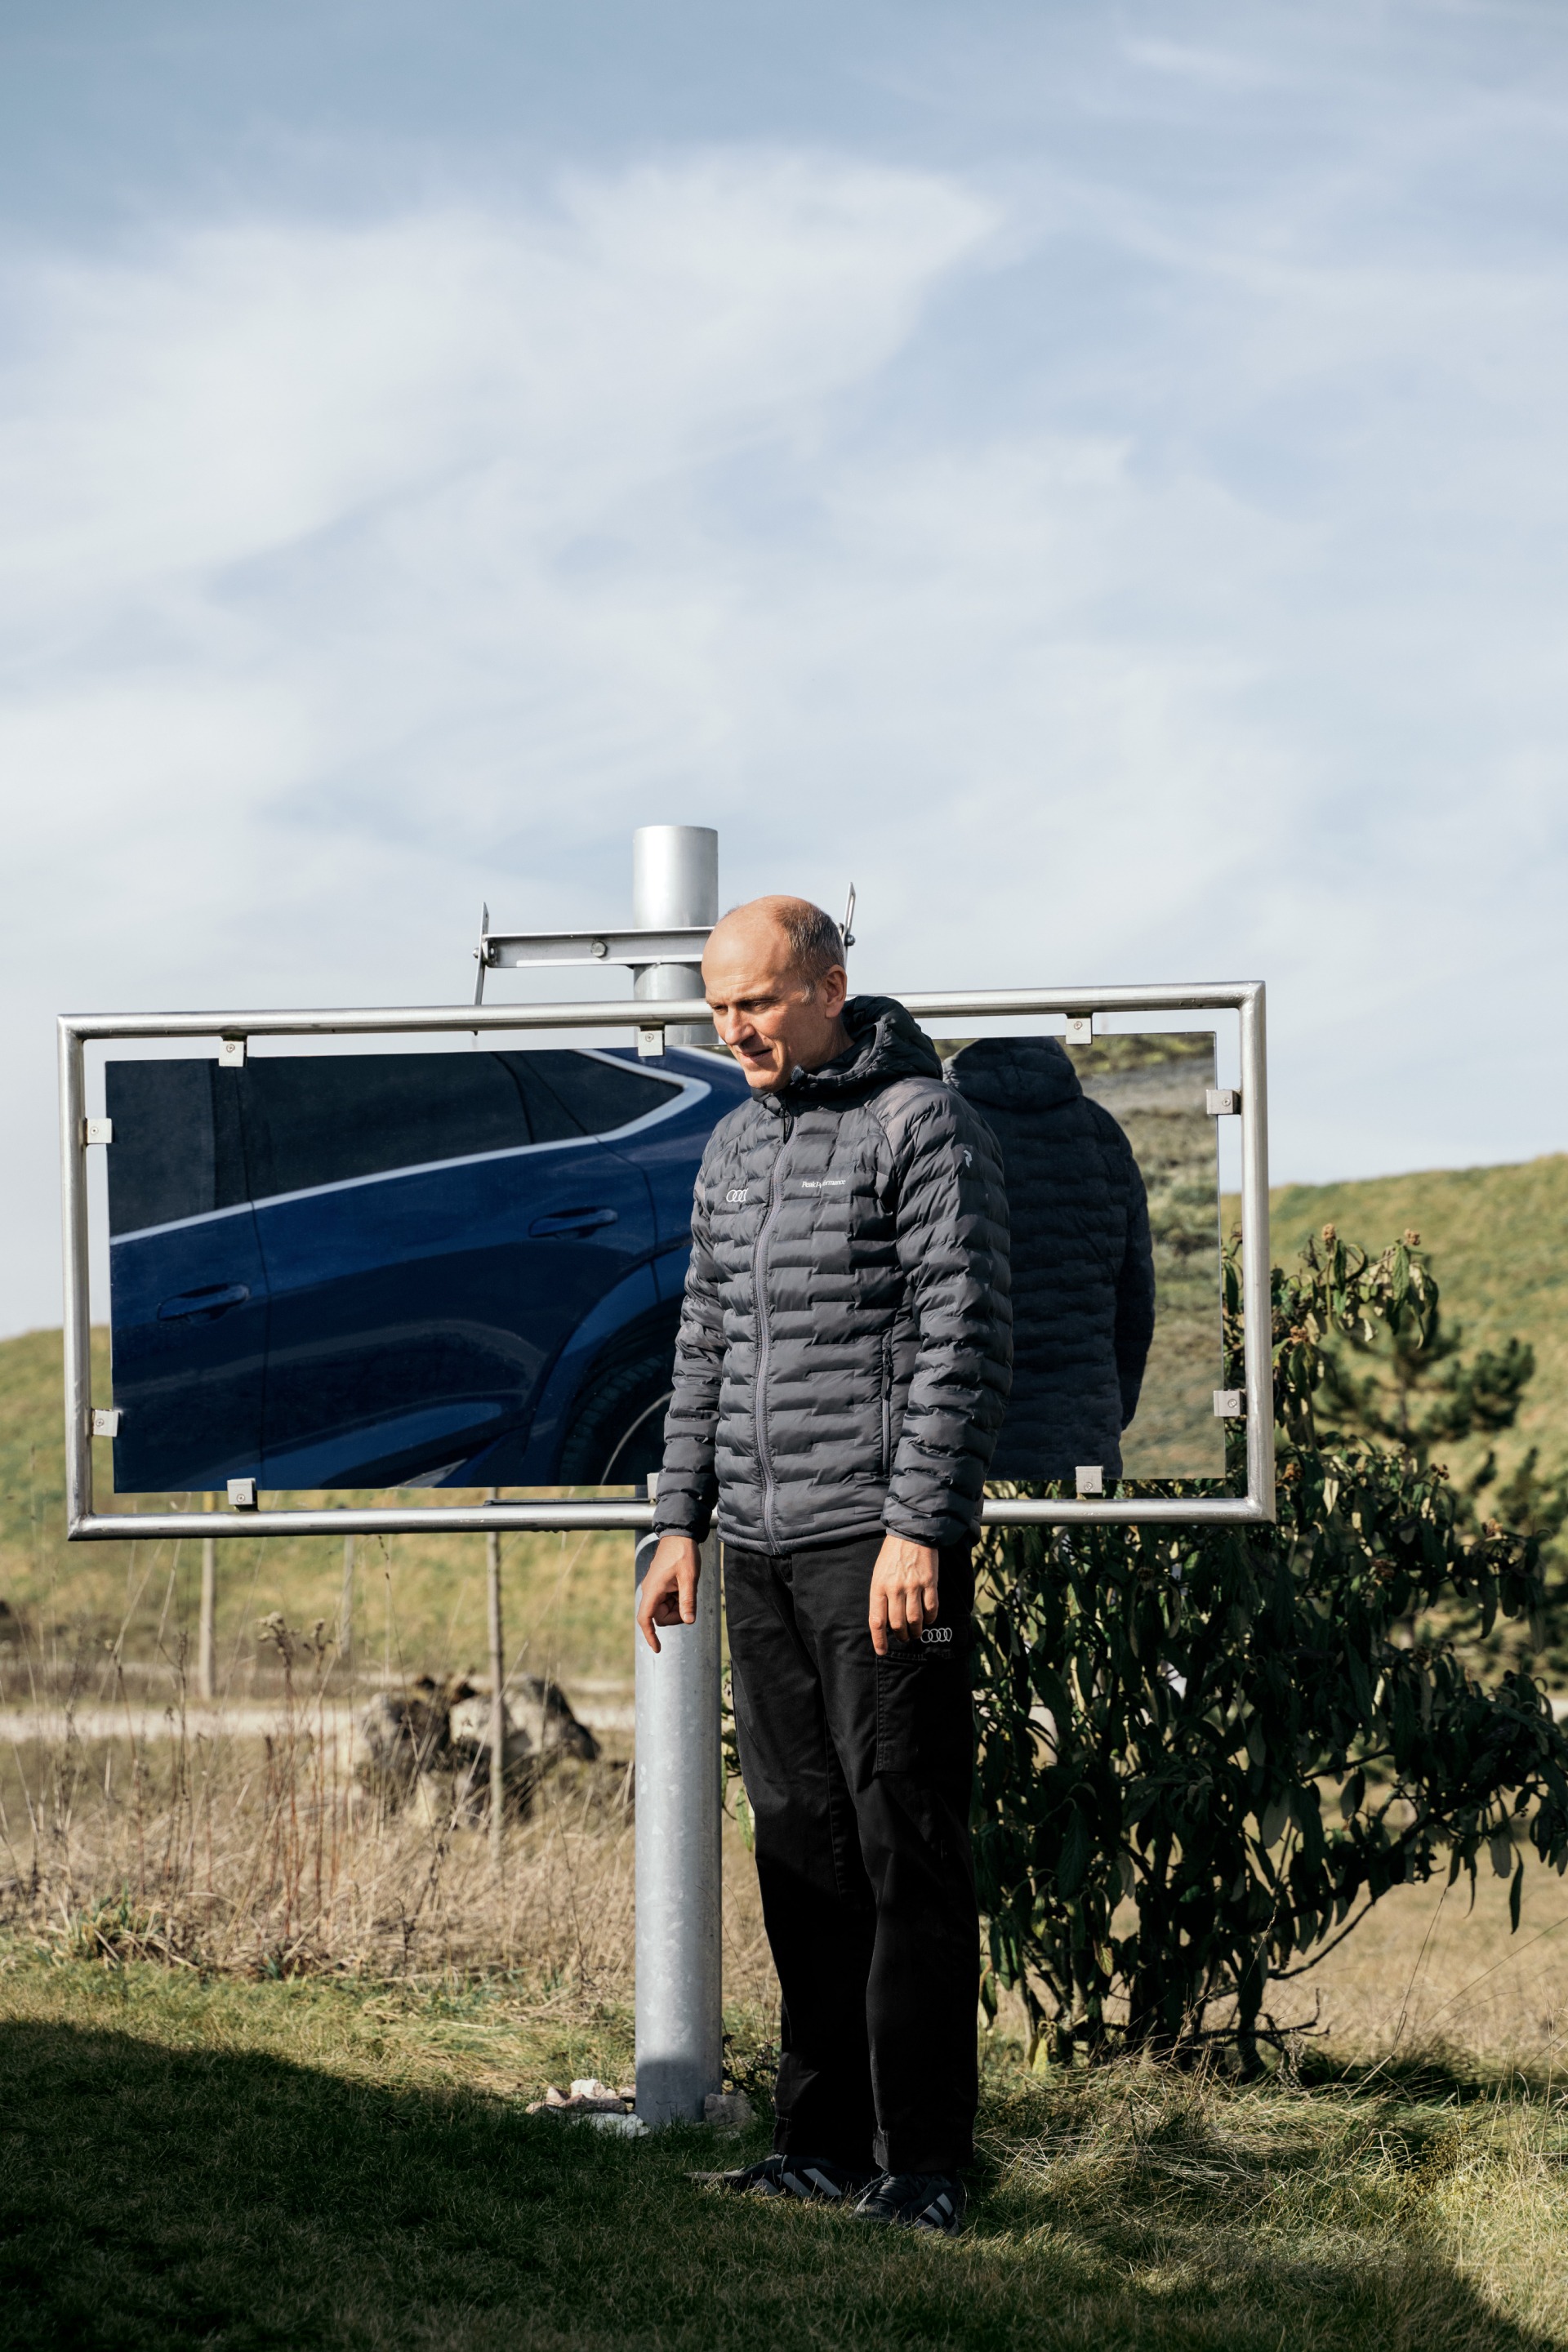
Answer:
[(679, 1987)]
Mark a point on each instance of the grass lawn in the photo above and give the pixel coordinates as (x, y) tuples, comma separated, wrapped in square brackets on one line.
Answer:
[(333, 2161), (318, 2163)]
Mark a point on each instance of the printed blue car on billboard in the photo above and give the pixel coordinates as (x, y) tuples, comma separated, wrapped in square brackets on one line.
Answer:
[(401, 1269)]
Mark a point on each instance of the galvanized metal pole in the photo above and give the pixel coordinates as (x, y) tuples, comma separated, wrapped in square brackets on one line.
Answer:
[(207, 1625), (497, 1695), (78, 1333), (674, 886), (1257, 1257), (680, 1986), (679, 1990)]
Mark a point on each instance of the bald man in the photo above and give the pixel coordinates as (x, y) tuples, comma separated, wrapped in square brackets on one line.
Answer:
[(841, 1374)]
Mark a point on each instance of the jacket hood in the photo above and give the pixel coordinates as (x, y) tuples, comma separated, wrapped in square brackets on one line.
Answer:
[(1016, 1073), (885, 1044)]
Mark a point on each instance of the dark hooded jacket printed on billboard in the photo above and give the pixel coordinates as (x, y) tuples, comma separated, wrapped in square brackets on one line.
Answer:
[(1082, 1263), (844, 1347)]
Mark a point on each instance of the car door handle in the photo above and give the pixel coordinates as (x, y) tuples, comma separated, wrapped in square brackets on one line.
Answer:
[(572, 1221), (203, 1306)]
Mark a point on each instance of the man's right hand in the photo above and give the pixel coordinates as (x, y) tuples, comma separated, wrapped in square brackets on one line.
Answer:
[(668, 1595)]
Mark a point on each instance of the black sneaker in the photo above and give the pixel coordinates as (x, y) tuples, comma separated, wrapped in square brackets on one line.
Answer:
[(813, 2179), (764, 2179), (821, 2183), (915, 2201)]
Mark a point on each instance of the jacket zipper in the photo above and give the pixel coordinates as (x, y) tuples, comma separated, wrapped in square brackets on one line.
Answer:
[(765, 1336), (886, 1405)]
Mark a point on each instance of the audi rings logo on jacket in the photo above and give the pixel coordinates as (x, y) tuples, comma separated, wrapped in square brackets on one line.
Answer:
[(735, 1198)]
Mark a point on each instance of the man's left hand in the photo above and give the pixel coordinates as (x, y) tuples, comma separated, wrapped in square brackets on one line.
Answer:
[(903, 1591)]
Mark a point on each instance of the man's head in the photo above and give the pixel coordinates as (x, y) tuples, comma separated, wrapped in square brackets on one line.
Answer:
[(774, 974)]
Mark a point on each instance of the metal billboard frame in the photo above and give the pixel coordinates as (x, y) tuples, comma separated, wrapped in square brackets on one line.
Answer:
[(84, 1525)]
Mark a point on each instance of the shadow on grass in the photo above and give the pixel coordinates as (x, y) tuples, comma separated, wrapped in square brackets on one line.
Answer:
[(163, 2198), (1430, 2074)]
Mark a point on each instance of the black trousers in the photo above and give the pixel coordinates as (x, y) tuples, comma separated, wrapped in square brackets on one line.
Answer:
[(857, 1771)]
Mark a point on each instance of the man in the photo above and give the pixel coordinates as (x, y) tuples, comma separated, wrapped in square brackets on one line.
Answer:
[(841, 1373), (1082, 1260)]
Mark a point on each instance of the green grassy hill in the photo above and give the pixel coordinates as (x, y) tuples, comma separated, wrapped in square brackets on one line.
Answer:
[(1498, 1238), (420, 1599)]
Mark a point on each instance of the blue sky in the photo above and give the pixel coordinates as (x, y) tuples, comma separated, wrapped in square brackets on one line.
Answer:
[(1096, 475)]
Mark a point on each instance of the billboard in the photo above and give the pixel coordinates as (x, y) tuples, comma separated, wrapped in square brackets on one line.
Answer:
[(464, 1268)]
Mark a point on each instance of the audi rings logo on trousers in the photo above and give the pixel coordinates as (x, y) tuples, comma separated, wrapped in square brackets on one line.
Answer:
[(937, 1634)]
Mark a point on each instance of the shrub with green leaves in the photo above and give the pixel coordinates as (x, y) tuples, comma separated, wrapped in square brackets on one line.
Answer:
[(1204, 1753)]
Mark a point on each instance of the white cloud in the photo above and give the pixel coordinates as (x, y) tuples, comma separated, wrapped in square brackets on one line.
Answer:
[(239, 392), (280, 503), (347, 576), (1213, 69)]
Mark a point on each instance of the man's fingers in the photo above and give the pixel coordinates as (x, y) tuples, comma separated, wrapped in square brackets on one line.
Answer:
[(669, 1596), (653, 1608), (903, 1598), (912, 1608)]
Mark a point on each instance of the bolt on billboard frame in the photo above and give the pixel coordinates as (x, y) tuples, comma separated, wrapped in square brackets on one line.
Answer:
[(1255, 1507)]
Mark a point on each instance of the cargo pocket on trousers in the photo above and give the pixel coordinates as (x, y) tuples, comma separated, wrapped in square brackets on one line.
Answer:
[(925, 1712), (898, 1679)]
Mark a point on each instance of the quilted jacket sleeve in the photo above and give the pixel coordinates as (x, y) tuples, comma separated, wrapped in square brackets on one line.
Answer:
[(951, 1228), (1134, 1295), (1134, 1329), (688, 1488)]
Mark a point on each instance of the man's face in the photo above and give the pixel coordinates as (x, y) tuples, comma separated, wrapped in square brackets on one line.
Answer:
[(763, 1009)]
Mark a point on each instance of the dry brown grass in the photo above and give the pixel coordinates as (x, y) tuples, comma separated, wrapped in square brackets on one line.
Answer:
[(238, 1840), (264, 1855), (1428, 1978)]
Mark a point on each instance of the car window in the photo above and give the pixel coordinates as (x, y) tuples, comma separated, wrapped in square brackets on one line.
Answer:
[(191, 1136), (178, 1148), (583, 1095), (328, 1118)]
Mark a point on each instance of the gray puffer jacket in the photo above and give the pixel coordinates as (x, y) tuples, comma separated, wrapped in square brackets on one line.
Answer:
[(845, 1347)]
